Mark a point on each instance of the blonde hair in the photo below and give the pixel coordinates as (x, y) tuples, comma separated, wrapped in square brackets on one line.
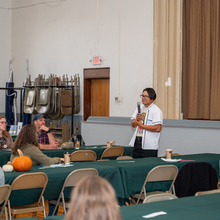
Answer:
[(4, 133), (93, 198)]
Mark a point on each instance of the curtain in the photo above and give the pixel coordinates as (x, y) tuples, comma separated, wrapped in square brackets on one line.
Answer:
[(201, 60), (167, 56)]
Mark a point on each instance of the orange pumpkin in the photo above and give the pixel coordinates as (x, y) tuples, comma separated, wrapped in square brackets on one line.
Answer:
[(22, 163)]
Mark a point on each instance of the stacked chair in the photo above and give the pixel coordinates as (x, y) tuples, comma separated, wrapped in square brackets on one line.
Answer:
[(52, 97)]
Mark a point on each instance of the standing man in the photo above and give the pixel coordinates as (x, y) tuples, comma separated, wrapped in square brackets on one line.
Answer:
[(148, 125), (46, 139)]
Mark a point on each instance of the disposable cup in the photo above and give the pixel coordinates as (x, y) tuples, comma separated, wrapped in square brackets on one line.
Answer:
[(169, 153), (67, 158)]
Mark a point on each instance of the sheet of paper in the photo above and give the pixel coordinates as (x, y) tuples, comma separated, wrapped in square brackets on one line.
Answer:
[(56, 165), (154, 214)]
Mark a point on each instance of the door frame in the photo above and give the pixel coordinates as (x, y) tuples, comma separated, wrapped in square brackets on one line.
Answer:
[(88, 75)]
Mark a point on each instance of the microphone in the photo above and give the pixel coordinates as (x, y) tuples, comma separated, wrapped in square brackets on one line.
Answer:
[(138, 106)]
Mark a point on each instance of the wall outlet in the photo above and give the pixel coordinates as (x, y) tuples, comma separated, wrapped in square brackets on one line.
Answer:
[(118, 98)]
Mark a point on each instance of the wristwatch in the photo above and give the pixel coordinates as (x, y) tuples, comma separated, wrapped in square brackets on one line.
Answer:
[(49, 131)]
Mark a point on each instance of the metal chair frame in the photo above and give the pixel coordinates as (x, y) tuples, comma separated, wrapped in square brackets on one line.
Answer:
[(116, 151), (29, 181), (71, 180), (83, 155), (159, 197), (124, 158), (159, 173), (5, 191), (207, 192)]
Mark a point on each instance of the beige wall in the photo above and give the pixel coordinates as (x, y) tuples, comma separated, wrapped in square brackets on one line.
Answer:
[(61, 38), (5, 47)]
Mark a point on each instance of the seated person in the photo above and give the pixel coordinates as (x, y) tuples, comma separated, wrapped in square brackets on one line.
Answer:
[(45, 137), (93, 198), (2, 177), (27, 142), (6, 141)]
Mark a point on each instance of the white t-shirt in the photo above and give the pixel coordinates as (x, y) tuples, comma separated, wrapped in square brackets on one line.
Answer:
[(150, 139)]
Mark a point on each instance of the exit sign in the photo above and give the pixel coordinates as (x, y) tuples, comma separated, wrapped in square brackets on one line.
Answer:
[(96, 60)]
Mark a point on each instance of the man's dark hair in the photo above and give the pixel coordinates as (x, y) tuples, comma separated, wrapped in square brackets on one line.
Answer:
[(151, 92)]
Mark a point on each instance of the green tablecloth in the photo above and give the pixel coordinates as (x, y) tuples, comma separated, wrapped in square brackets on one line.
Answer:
[(4, 157), (56, 177), (126, 176), (134, 173), (190, 208), (98, 149)]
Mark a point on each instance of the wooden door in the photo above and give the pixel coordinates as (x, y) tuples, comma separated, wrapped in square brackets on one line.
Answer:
[(100, 97), (96, 92)]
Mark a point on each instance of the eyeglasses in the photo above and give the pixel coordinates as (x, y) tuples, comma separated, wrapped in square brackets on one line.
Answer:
[(2, 122), (144, 96)]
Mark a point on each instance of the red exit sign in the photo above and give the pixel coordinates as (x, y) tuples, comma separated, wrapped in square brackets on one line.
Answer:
[(96, 60)]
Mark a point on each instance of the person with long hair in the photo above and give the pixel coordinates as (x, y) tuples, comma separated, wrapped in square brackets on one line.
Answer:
[(27, 142), (93, 198), (6, 141)]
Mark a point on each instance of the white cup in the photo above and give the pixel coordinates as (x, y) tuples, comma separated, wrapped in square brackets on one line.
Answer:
[(169, 153)]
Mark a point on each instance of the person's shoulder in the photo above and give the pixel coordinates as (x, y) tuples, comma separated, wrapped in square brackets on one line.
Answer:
[(7, 135), (30, 147), (155, 107)]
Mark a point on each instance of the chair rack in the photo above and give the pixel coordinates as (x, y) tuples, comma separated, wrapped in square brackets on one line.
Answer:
[(42, 86)]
